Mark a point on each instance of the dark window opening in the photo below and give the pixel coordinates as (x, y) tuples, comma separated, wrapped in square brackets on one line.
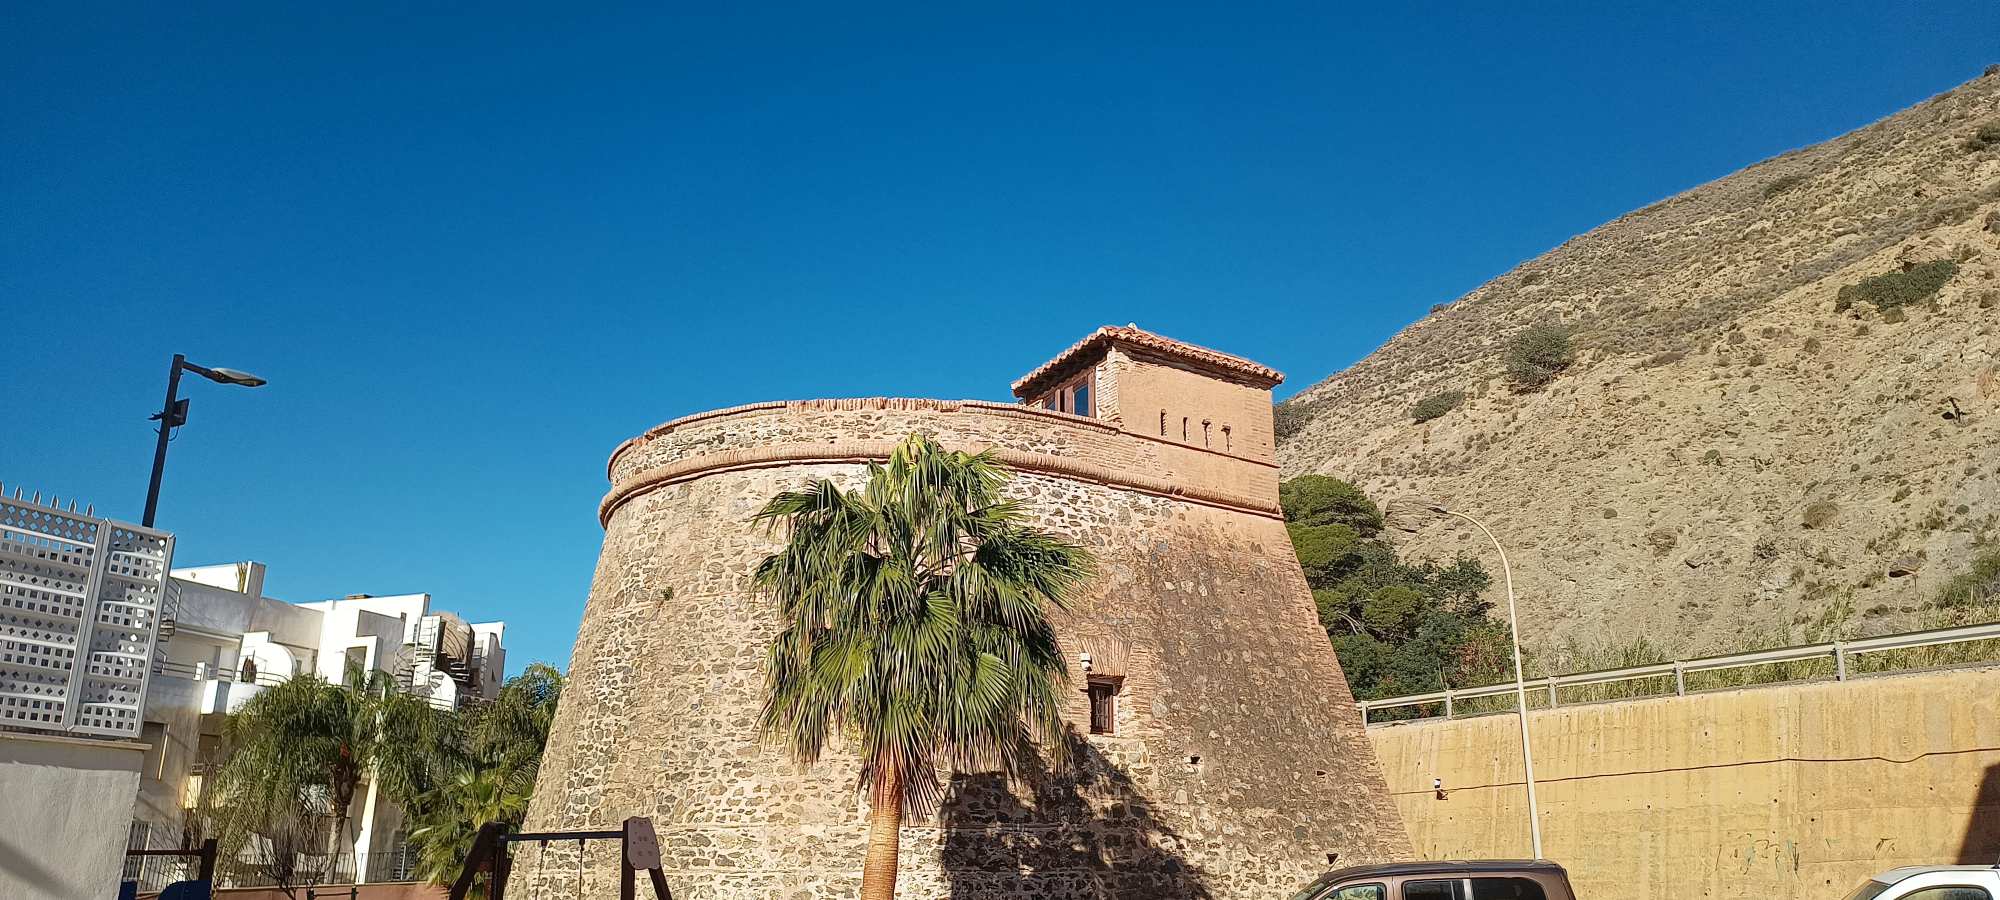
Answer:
[(1432, 890), (154, 734), (1507, 889), (1103, 705)]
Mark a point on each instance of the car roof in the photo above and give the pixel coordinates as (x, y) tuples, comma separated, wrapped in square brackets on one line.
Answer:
[(1434, 867), (1901, 872)]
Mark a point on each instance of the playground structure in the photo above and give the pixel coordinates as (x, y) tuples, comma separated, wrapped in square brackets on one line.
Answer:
[(639, 850)]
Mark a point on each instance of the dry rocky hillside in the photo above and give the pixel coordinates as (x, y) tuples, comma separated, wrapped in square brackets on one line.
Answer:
[(1735, 452)]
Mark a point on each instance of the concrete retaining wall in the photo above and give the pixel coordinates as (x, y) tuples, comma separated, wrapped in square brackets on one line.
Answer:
[(65, 808), (1797, 791)]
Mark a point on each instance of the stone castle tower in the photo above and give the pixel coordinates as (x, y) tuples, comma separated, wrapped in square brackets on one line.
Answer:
[(1219, 751)]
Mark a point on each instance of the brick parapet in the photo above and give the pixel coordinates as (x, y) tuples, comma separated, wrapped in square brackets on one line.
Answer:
[(852, 430)]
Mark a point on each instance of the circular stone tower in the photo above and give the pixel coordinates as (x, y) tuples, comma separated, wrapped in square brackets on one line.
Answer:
[(1218, 752)]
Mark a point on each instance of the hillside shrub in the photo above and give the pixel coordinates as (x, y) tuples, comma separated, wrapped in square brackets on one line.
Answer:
[(1290, 417), (1892, 289), (1985, 138), (1952, 210), (1978, 584), (1782, 184), (1536, 356), (1436, 405), (1820, 514)]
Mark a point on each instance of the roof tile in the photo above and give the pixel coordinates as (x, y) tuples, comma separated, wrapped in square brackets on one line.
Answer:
[(1147, 342)]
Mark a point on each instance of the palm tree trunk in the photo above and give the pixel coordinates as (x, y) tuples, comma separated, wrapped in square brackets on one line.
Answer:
[(885, 834), (333, 847)]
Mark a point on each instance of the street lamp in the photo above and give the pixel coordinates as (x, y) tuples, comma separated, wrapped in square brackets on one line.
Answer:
[(173, 414), (1520, 687)]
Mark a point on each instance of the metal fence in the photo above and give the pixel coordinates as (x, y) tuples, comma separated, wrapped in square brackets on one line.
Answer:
[(81, 599), (1841, 660), (158, 855)]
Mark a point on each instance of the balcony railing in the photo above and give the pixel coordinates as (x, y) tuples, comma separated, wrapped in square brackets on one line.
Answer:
[(245, 689)]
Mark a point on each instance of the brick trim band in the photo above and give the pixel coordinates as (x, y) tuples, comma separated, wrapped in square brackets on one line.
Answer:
[(873, 451), (909, 404)]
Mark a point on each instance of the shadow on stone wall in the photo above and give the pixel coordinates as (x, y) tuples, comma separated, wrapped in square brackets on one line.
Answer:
[(1981, 846), (1086, 834)]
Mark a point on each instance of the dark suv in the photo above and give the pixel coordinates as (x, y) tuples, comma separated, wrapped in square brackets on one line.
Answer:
[(1479, 879)]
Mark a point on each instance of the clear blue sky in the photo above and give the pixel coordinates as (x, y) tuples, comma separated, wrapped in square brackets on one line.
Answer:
[(473, 253)]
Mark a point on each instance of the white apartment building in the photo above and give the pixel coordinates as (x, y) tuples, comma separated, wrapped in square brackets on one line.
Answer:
[(224, 642)]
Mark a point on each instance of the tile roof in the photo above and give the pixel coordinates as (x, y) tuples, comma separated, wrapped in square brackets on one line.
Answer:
[(1146, 342)]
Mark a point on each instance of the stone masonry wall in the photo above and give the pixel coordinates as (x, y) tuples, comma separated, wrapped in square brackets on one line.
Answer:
[(1238, 763)]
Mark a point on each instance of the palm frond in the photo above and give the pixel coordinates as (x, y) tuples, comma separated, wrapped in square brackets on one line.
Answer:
[(915, 623)]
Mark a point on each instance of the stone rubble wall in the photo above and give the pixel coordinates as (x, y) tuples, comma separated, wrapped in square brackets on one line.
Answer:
[(1238, 764)]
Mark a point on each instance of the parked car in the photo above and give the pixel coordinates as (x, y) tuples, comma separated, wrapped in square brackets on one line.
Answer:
[(1932, 883), (1478, 879)]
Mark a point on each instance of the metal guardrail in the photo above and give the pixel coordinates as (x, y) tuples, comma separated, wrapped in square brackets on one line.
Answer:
[(205, 672), (1839, 651)]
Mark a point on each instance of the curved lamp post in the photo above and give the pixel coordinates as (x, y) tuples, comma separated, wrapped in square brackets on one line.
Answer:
[(1514, 628), (173, 414)]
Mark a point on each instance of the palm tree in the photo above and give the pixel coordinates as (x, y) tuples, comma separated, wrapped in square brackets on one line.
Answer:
[(298, 751), (915, 628), (485, 773), (452, 816)]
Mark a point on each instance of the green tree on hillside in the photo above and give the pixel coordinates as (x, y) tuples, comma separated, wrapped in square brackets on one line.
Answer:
[(915, 631), (1398, 627)]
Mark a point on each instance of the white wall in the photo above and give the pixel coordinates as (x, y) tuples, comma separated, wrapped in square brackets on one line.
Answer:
[(68, 805)]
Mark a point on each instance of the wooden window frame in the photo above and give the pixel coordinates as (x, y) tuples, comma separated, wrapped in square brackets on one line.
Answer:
[(1109, 687), (1062, 397)]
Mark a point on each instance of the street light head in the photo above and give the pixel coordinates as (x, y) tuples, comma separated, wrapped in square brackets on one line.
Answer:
[(233, 376)]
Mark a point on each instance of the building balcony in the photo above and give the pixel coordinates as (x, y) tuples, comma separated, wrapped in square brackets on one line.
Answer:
[(219, 690)]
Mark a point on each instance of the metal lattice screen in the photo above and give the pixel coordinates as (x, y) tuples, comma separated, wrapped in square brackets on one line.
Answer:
[(81, 600)]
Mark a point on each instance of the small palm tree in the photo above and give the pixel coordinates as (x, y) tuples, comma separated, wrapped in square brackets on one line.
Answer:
[(454, 813), (915, 628)]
